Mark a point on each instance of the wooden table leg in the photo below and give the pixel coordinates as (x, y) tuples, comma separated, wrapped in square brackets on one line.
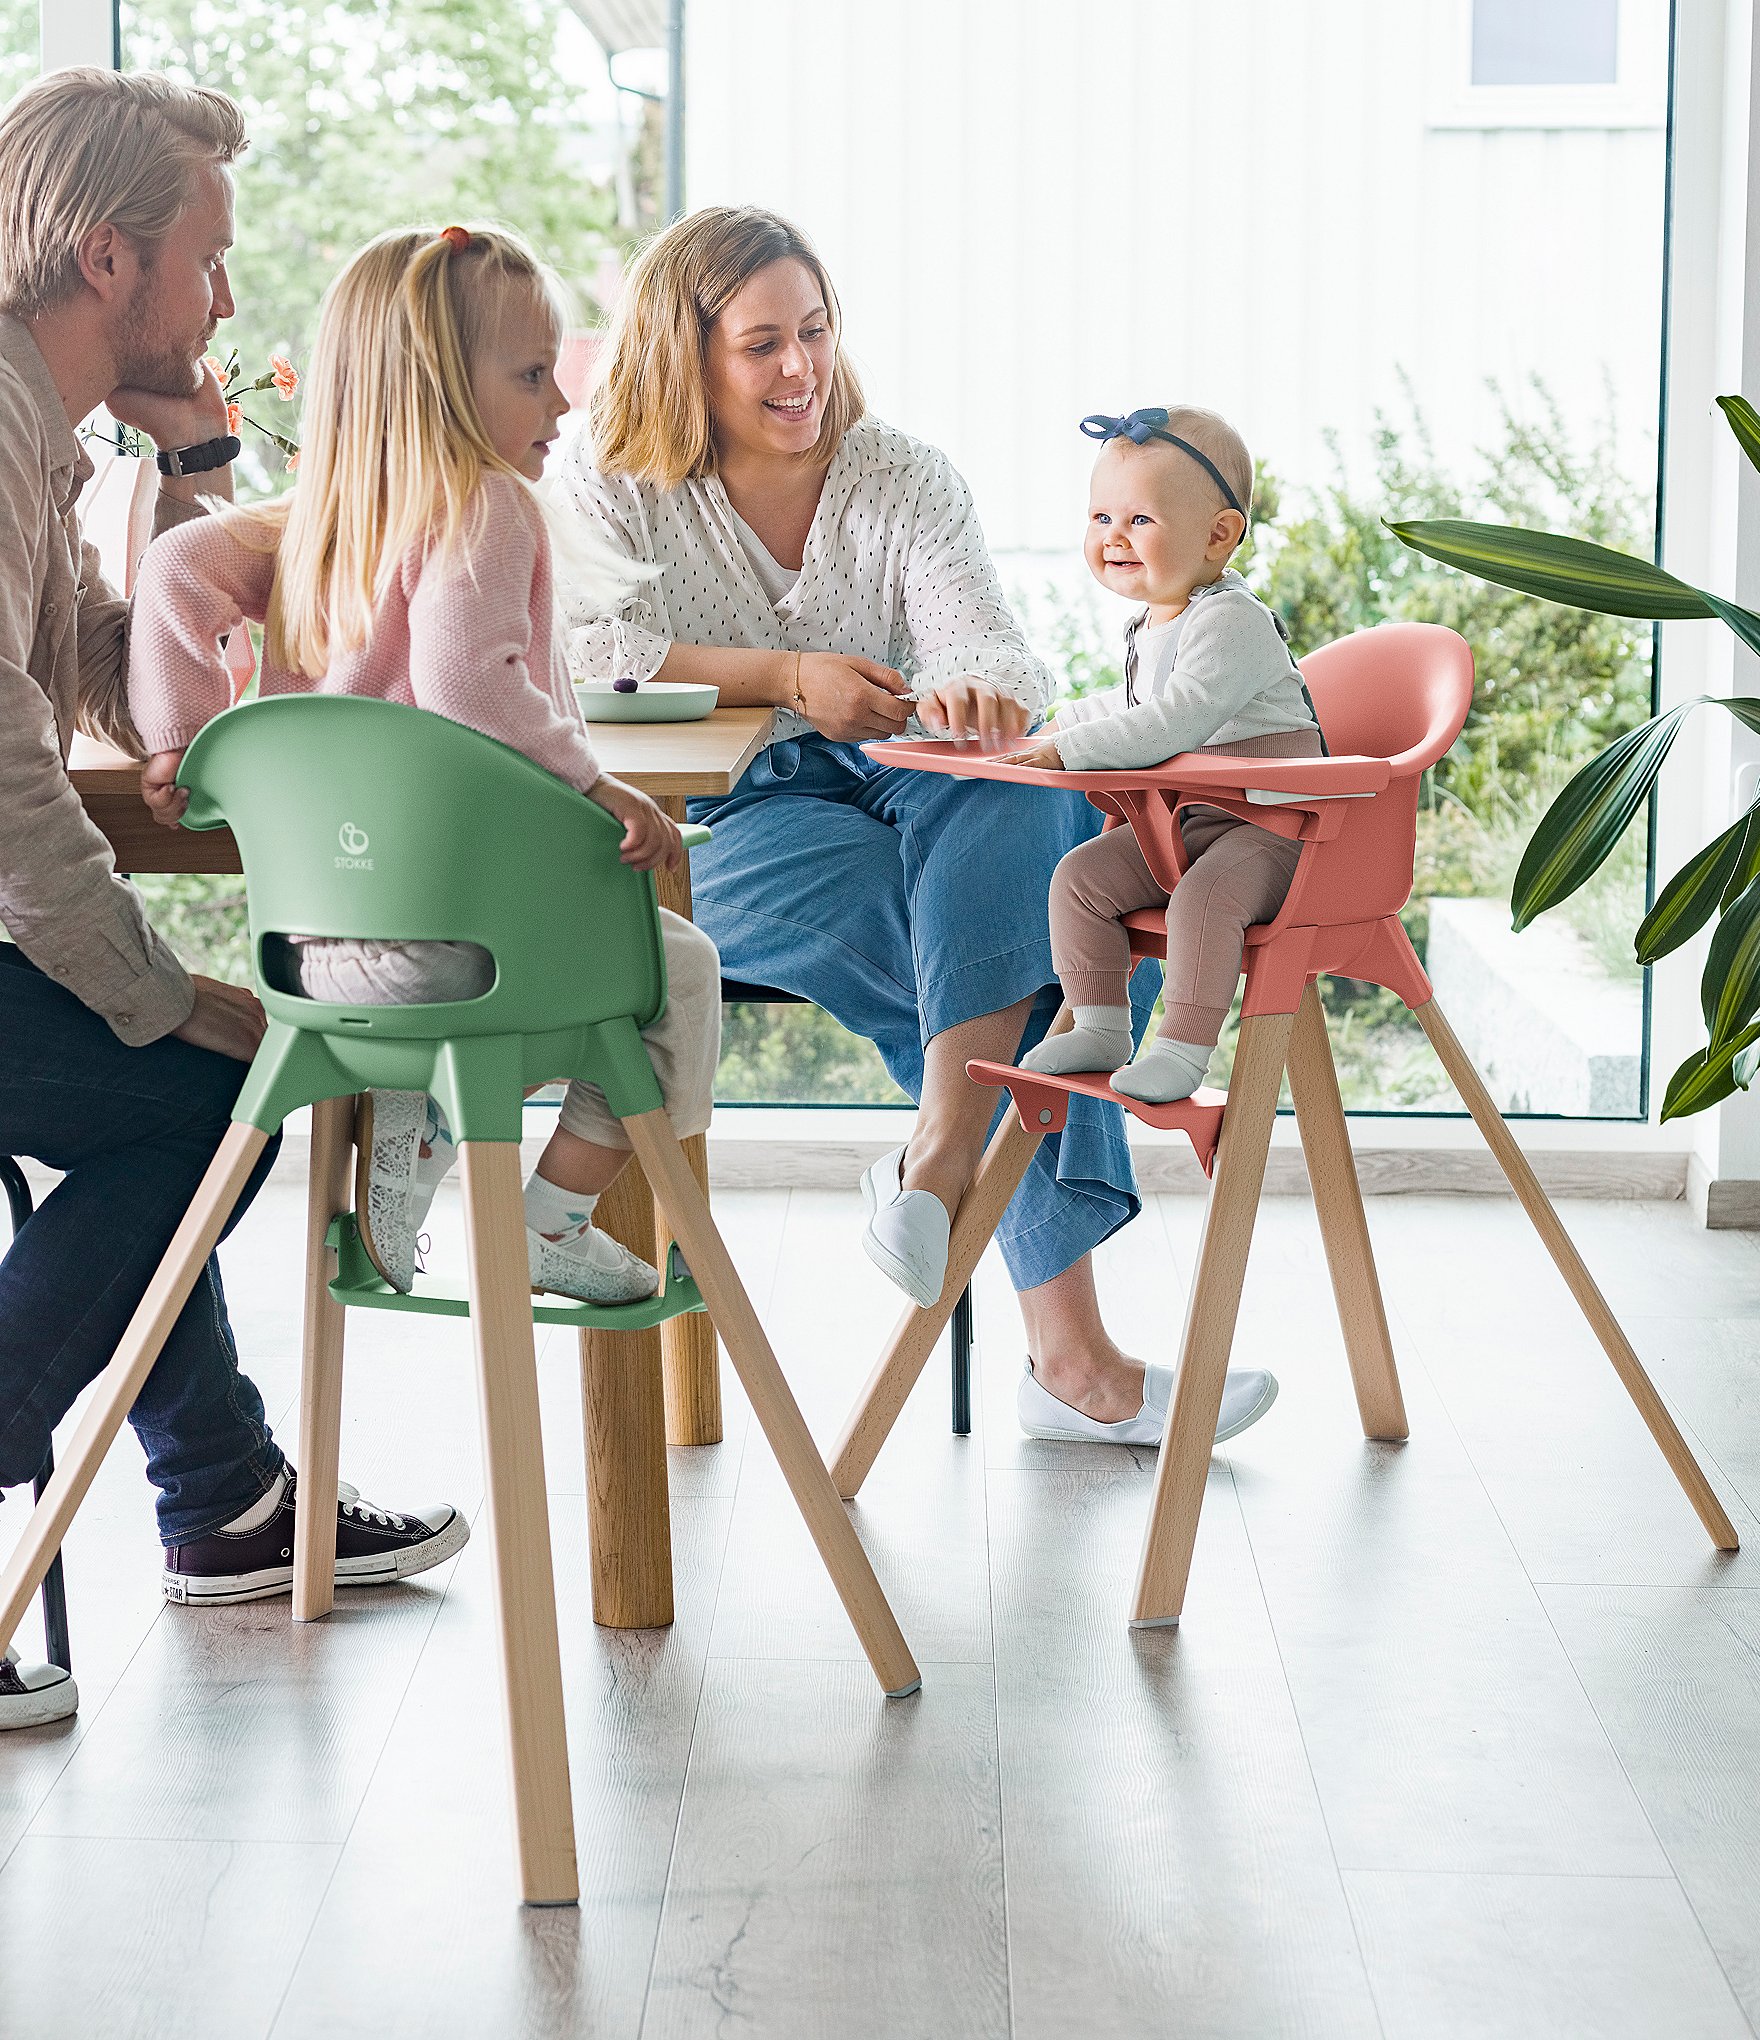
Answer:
[(320, 1380), (693, 1375), (624, 1418)]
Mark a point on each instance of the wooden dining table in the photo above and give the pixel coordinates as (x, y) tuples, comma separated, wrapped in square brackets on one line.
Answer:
[(635, 1400)]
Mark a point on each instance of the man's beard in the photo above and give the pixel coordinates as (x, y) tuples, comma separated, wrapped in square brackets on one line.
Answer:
[(149, 356)]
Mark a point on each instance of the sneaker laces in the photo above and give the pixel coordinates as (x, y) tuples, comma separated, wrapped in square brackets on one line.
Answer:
[(349, 1500)]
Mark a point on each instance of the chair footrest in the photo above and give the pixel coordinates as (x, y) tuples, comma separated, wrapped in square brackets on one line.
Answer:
[(360, 1286), (1043, 1103)]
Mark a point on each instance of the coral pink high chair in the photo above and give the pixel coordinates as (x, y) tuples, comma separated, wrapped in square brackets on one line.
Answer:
[(1390, 702)]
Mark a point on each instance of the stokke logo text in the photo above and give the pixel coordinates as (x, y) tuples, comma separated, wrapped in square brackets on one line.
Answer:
[(354, 843)]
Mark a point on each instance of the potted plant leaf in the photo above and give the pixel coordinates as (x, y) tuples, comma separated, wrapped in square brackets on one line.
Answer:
[(1598, 805)]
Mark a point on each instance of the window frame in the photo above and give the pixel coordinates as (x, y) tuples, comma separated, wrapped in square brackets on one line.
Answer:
[(1638, 98)]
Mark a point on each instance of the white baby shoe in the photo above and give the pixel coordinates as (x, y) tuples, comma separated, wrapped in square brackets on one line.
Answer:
[(591, 1267), (907, 1231), (1246, 1395), (394, 1182)]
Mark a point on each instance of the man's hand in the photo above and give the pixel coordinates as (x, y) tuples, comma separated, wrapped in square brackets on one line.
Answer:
[(171, 422), (164, 797), (849, 699), (970, 707), (650, 835), (1040, 757), (226, 1019)]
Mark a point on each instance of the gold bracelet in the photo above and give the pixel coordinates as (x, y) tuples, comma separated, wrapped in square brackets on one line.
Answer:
[(800, 700)]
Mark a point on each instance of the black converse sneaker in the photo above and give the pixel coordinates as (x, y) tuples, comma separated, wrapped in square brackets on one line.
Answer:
[(31, 1695), (372, 1546)]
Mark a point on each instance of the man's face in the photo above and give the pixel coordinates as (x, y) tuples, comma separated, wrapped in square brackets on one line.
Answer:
[(180, 295)]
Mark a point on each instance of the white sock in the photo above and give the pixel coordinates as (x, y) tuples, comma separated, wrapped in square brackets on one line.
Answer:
[(433, 1167), (1100, 1040), (557, 1214), (1165, 1070), (262, 1510)]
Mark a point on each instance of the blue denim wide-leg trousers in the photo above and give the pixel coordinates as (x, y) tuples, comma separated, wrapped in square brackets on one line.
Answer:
[(134, 1129), (905, 903)]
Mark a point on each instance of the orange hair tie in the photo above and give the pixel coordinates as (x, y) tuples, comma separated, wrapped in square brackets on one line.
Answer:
[(459, 238)]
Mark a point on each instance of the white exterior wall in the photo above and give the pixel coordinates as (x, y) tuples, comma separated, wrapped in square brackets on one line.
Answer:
[(1038, 208)]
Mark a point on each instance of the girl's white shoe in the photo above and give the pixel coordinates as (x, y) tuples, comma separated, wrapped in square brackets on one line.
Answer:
[(1246, 1395), (907, 1231), (591, 1267), (388, 1138)]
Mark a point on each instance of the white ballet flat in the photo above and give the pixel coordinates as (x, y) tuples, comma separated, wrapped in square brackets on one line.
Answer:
[(907, 1231), (1246, 1395)]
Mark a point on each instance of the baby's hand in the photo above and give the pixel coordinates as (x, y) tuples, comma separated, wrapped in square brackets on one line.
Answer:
[(165, 799), (1040, 757), (650, 836)]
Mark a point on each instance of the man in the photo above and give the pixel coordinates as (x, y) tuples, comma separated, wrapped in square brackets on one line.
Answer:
[(116, 1066)]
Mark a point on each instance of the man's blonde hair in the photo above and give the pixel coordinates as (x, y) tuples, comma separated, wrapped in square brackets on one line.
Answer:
[(83, 147), (650, 409), (394, 448)]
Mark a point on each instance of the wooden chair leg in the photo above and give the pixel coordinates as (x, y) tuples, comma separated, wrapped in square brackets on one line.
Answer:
[(693, 1373), (1570, 1265), (1211, 1310), (773, 1402), (1338, 1203), (132, 1362), (918, 1332), (519, 1522), (623, 1416), (320, 1383)]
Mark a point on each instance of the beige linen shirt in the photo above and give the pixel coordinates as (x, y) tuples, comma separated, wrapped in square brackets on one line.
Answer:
[(63, 666)]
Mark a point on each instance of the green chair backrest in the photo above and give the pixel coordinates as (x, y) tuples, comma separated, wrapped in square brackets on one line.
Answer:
[(368, 819)]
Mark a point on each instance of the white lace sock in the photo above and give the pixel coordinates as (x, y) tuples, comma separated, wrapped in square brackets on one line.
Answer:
[(1165, 1070), (1100, 1040), (559, 1215), (260, 1511)]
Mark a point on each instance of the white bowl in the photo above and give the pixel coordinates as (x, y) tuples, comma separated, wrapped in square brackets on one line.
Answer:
[(652, 701)]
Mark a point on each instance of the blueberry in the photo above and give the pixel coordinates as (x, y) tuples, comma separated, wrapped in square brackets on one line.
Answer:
[(623, 686)]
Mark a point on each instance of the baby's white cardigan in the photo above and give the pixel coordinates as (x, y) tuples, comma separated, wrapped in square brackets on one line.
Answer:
[(1224, 676)]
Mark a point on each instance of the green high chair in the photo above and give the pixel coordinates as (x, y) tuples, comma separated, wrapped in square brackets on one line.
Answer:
[(363, 818)]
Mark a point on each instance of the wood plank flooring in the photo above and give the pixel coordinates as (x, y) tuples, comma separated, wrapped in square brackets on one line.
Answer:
[(1457, 1738)]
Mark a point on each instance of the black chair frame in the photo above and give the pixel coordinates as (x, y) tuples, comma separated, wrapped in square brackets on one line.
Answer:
[(18, 1199), (734, 992)]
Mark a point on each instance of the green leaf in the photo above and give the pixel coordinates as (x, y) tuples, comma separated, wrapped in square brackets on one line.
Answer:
[(1744, 422), (1697, 890), (1743, 622), (1729, 991), (1710, 1075), (1583, 824), (1568, 570)]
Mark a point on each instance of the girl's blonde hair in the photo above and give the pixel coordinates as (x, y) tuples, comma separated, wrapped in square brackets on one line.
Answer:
[(394, 447), (650, 409)]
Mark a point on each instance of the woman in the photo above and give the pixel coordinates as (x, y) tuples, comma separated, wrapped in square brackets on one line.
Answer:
[(796, 553)]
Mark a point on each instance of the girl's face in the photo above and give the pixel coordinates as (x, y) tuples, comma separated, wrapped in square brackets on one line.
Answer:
[(514, 382), (770, 357), (1154, 532)]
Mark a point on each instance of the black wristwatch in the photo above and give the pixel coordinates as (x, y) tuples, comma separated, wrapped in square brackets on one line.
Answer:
[(198, 460)]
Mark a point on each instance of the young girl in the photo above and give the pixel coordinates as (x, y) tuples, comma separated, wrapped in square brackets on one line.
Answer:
[(1206, 665), (412, 564)]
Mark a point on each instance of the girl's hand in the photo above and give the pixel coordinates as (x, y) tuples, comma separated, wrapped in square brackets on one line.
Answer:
[(849, 699), (1040, 757), (650, 835), (165, 799), (970, 707)]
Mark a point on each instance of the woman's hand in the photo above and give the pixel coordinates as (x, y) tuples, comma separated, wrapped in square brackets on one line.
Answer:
[(165, 799), (1040, 757), (849, 699), (650, 835), (970, 707)]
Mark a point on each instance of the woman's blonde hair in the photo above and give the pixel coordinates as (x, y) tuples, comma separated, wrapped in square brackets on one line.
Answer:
[(394, 447), (83, 147), (650, 410)]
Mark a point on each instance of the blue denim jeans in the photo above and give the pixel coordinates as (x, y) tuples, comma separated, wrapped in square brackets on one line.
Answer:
[(905, 903), (134, 1129)]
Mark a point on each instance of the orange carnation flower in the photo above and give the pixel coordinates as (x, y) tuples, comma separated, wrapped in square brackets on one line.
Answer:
[(286, 376)]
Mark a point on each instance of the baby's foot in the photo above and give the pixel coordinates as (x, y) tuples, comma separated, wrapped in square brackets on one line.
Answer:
[(590, 1266), (405, 1152), (1164, 1072), (1100, 1040)]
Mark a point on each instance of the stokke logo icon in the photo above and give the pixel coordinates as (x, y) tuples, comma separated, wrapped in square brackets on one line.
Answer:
[(354, 844)]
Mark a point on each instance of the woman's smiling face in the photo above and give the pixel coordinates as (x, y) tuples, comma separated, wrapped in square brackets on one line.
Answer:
[(770, 357)]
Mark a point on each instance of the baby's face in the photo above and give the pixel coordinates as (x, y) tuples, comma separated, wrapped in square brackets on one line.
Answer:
[(1155, 526)]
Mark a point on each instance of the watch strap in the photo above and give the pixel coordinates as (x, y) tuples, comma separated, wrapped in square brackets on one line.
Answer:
[(199, 460)]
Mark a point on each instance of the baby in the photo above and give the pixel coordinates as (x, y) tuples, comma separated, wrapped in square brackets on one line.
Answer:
[(1206, 666)]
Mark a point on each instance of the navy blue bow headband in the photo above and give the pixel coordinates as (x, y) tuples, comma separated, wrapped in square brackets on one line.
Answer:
[(1142, 426)]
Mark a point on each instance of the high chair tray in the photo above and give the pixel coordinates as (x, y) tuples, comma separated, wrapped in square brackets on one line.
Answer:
[(359, 1284), (652, 701), (1290, 779), (1043, 1103)]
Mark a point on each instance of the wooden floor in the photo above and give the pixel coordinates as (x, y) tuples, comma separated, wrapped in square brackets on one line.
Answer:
[(1459, 1738)]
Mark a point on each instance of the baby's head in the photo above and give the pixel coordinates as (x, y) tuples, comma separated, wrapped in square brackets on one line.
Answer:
[(1165, 517)]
